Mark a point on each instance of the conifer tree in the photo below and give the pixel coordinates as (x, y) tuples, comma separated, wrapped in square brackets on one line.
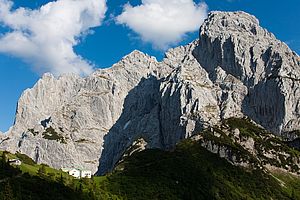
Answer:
[(7, 193), (42, 171)]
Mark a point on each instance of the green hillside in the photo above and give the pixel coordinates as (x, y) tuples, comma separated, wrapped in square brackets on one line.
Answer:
[(188, 172), (191, 172)]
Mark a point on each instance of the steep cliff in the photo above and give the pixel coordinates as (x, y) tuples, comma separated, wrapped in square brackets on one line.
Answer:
[(266, 66), (235, 69)]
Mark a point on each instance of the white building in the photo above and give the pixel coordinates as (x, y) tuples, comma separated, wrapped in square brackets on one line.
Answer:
[(85, 174), (78, 173), (75, 173), (14, 162)]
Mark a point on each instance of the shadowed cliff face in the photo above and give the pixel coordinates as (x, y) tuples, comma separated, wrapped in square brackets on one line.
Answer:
[(265, 104), (236, 68), (139, 119)]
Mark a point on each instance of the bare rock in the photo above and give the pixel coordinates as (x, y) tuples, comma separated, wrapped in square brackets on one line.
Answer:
[(269, 70)]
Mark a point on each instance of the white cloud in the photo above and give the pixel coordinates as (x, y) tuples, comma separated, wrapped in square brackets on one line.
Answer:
[(45, 37), (163, 22)]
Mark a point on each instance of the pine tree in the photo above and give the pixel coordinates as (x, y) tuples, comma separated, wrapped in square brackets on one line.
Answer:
[(4, 160), (61, 179), (18, 191), (42, 171), (80, 187), (8, 194)]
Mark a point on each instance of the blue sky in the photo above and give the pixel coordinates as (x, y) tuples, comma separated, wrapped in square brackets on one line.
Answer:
[(110, 41)]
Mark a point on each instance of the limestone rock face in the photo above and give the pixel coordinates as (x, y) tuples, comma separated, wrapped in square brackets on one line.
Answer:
[(234, 42), (62, 121), (235, 69)]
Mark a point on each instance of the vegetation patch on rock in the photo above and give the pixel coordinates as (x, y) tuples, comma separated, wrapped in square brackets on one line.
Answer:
[(242, 142), (51, 134)]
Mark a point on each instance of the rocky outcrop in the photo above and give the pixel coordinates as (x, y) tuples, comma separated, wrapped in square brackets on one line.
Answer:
[(245, 144), (235, 69)]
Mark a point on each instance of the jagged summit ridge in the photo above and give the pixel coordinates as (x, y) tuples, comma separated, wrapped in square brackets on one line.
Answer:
[(235, 69), (220, 24)]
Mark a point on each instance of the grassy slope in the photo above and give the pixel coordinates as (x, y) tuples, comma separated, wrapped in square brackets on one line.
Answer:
[(24, 182), (188, 172), (191, 172)]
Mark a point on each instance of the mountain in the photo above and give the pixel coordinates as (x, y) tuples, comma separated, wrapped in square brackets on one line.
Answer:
[(236, 69)]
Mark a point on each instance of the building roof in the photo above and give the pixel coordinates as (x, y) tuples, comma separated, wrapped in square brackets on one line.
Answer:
[(14, 160), (69, 169)]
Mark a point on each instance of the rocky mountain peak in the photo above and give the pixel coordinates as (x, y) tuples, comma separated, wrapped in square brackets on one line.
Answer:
[(235, 43), (235, 69), (138, 54), (47, 76), (231, 23), (137, 57)]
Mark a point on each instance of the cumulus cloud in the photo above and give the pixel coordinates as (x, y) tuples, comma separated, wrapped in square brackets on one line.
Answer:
[(45, 37), (163, 22)]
